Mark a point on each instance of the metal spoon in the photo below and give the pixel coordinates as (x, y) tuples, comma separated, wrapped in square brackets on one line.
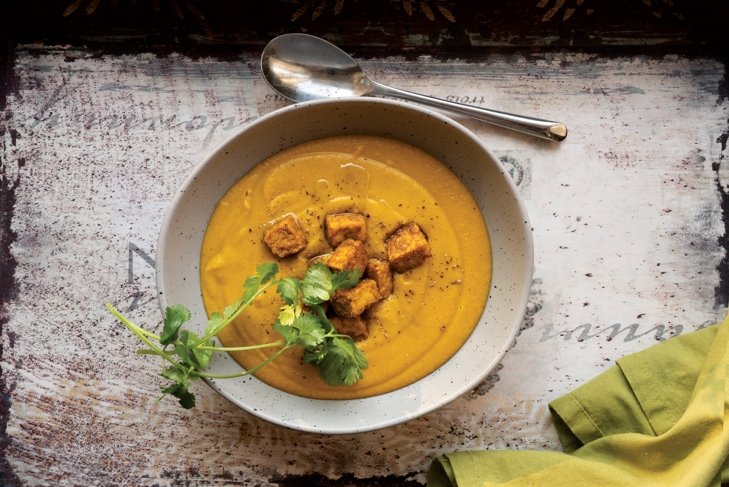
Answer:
[(302, 67)]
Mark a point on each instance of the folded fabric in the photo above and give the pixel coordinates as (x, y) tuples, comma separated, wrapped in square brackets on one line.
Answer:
[(657, 418)]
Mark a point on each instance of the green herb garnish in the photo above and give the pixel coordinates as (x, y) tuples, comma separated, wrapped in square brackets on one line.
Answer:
[(301, 322)]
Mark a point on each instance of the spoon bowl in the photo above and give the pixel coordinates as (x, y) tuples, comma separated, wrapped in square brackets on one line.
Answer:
[(303, 67)]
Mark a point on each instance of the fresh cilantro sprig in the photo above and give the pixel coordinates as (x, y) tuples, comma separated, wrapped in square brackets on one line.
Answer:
[(301, 322)]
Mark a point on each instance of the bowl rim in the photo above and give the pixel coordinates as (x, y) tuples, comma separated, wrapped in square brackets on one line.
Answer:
[(520, 300)]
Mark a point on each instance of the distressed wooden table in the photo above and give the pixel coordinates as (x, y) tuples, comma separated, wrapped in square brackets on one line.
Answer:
[(629, 217)]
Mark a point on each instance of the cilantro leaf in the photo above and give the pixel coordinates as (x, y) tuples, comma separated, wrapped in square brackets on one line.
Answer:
[(287, 332), (319, 283), (288, 314), (345, 280), (175, 374), (313, 294), (215, 321), (305, 331), (264, 274), (266, 271), (175, 316), (179, 387), (186, 398), (288, 289), (314, 355), (202, 357), (321, 313), (230, 310), (311, 332), (342, 362), (320, 275), (187, 349)]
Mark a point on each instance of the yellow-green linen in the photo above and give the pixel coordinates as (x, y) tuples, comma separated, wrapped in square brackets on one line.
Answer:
[(658, 418)]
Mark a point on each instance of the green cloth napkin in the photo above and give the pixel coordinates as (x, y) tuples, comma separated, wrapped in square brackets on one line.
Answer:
[(660, 417)]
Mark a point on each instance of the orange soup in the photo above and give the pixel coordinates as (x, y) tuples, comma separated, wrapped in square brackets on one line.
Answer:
[(433, 308)]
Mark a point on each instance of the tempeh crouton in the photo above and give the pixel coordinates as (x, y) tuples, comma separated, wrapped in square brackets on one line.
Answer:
[(348, 256), (379, 271), (339, 227), (407, 248), (285, 237), (353, 301), (355, 327)]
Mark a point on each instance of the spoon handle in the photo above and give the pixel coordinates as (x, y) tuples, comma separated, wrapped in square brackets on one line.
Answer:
[(537, 127)]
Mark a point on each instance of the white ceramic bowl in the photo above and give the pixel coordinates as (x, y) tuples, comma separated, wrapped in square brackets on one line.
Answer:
[(178, 255)]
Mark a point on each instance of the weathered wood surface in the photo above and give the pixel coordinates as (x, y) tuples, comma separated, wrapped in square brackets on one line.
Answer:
[(628, 225)]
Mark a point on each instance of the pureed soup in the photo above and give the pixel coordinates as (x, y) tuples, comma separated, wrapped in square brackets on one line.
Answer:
[(433, 307)]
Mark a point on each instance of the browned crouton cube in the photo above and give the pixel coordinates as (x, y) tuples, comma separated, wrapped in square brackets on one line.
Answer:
[(348, 256), (379, 271), (339, 227), (285, 237), (353, 301), (407, 248), (355, 327)]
